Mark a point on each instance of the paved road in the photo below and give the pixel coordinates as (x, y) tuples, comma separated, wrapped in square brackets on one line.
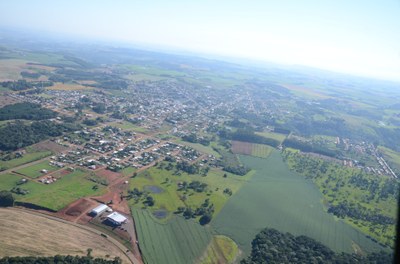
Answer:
[(123, 249)]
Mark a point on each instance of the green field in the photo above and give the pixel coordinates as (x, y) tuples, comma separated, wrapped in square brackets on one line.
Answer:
[(129, 126), (178, 241), (199, 147), (128, 171), (28, 157), (272, 135), (261, 151), (392, 157), (33, 171), (60, 193), (222, 249), (277, 198), (8, 181), (169, 198), (361, 193)]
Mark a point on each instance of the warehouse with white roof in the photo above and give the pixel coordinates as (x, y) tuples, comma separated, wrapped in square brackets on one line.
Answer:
[(116, 218)]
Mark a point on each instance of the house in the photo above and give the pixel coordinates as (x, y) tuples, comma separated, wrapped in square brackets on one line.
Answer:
[(99, 209), (116, 218)]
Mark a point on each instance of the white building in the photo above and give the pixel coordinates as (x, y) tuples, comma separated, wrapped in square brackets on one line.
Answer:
[(116, 218), (99, 209)]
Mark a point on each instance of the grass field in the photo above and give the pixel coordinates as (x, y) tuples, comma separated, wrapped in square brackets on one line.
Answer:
[(57, 195), (34, 171), (128, 171), (169, 198), (272, 135), (199, 147), (25, 234), (392, 157), (28, 157), (129, 126), (222, 249), (179, 241), (8, 181), (277, 198)]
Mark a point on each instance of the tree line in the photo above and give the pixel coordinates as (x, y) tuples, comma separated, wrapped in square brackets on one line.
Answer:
[(248, 135)]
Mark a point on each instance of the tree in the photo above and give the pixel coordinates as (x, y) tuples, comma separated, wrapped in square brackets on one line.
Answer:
[(89, 252), (205, 219), (149, 201), (6, 199)]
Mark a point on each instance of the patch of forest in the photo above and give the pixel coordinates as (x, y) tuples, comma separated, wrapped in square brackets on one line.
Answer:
[(21, 85), (272, 246), (309, 147), (368, 202), (17, 135), (248, 135), (26, 110)]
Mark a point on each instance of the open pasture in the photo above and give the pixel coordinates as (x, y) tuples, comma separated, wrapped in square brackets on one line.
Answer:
[(35, 171), (59, 194), (272, 135), (169, 198), (26, 158)]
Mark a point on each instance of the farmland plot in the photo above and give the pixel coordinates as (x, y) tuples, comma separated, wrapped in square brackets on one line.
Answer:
[(277, 198), (252, 149), (179, 241)]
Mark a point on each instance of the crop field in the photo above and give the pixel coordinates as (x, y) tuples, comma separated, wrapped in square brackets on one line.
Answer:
[(60, 193), (68, 87), (328, 176), (26, 158), (10, 69), (277, 198), (178, 241), (34, 171), (245, 148), (222, 249), (26, 234), (168, 198)]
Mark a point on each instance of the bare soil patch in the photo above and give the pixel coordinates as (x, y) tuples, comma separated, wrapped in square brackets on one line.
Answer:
[(49, 145), (81, 207), (110, 176)]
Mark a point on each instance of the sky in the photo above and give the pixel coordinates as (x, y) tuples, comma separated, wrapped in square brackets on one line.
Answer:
[(360, 37)]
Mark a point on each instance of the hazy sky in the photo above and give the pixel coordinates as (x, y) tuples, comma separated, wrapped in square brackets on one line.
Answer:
[(355, 36)]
